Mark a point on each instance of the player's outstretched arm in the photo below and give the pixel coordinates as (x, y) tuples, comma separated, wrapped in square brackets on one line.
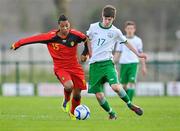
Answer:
[(40, 38), (140, 55)]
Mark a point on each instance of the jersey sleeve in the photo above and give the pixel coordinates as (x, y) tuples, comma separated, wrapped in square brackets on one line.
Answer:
[(40, 38), (140, 46), (82, 38), (121, 37), (89, 32)]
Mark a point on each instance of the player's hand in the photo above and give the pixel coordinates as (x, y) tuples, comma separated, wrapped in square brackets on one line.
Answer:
[(84, 58), (13, 47), (142, 55)]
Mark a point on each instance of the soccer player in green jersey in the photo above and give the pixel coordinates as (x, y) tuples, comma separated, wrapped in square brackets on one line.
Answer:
[(102, 37), (128, 61)]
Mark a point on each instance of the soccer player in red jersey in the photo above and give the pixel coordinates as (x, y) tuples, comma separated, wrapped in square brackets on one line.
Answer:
[(62, 45)]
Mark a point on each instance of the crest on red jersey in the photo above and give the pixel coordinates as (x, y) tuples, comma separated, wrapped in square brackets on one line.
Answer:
[(72, 43)]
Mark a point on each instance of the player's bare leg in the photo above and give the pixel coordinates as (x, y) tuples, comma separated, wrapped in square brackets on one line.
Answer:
[(122, 94), (104, 104), (68, 86)]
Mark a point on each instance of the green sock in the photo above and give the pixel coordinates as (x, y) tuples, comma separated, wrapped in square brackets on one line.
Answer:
[(123, 95), (105, 105), (130, 92)]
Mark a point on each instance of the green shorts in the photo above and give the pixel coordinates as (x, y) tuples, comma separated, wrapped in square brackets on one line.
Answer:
[(128, 73), (99, 73)]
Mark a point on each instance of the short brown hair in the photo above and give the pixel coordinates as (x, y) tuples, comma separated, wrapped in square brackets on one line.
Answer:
[(109, 11), (130, 23)]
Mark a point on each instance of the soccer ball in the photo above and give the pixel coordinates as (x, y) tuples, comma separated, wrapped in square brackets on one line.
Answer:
[(82, 112)]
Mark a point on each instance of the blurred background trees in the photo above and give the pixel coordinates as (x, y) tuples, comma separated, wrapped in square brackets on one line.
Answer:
[(157, 20)]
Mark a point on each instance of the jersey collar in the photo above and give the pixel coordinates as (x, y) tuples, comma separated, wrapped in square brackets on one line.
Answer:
[(101, 26), (130, 37)]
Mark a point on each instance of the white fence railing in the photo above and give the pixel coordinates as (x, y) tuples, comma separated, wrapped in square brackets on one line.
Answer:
[(56, 89)]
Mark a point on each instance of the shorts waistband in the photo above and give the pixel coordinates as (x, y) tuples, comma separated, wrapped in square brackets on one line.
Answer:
[(100, 62)]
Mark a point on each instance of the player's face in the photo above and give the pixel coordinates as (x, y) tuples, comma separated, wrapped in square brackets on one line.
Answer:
[(107, 21), (130, 30), (64, 27)]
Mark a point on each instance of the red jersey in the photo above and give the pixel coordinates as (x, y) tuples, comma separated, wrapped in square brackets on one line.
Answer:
[(62, 50)]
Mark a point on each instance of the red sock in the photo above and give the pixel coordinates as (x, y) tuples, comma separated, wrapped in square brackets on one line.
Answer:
[(67, 95), (75, 103)]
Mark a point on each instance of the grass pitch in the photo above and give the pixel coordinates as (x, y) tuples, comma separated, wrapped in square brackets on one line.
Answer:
[(44, 114)]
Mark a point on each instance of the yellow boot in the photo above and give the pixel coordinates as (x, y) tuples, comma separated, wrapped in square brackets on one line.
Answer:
[(72, 116), (65, 107)]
